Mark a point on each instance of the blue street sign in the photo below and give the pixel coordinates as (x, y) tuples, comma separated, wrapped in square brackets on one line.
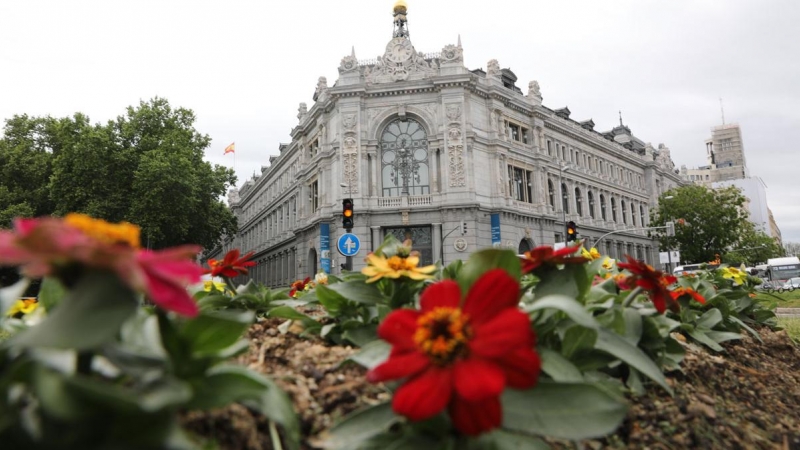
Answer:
[(348, 244)]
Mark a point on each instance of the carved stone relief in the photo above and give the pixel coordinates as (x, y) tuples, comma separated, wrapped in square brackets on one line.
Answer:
[(453, 112), (400, 62), (493, 70), (455, 153), (350, 165), (349, 121), (452, 54), (432, 109)]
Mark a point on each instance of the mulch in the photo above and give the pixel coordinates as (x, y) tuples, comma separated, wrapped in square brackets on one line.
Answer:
[(745, 398)]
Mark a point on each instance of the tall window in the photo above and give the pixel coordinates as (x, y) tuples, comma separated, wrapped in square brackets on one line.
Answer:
[(404, 159), (624, 212), (591, 203), (551, 193), (578, 202), (602, 206), (564, 198), (633, 215), (519, 184), (549, 148), (313, 196), (613, 210), (641, 214)]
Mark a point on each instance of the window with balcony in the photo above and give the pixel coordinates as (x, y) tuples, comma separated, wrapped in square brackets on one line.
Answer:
[(405, 168)]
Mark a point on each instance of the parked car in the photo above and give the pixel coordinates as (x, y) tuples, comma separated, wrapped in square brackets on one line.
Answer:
[(792, 284)]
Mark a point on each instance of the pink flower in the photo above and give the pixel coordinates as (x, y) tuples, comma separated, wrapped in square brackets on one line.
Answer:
[(63, 247)]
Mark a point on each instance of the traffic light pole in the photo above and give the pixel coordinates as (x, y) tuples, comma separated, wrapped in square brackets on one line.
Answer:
[(441, 247), (625, 231), (348, 260)]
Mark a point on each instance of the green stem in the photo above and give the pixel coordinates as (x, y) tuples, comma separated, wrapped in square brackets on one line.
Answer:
[(274, 436), (229, 283), (83, 363), (632, 296)]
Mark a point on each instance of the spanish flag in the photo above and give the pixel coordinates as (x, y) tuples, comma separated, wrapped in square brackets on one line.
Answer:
[(230, 149)]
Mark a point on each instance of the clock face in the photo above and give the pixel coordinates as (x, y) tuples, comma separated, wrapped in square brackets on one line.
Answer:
[(399, 50)]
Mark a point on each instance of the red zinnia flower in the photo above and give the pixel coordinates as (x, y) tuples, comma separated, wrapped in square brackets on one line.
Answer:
[(299, 285), (681, 291), (545, 256), (50, 246), (460, 355), (230, 266), (653, 281)]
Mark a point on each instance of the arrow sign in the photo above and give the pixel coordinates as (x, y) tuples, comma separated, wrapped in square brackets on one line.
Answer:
[(348, 244)]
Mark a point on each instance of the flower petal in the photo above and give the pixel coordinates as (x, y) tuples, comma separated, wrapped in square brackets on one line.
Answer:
[(473, 418), (493, 292), (399, 366), (445, 293), (398, 328), (509, 330), (521, 367), (425, 395), (476, 379)]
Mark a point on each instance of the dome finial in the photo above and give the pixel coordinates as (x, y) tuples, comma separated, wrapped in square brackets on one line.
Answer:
[(399, 12)]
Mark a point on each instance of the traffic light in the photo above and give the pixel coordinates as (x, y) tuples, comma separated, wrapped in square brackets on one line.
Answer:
[(572, 231), (463, 227), (347, 213), (670, 228)]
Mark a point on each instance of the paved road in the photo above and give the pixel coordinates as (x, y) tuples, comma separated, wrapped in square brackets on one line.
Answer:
[(788, 312)]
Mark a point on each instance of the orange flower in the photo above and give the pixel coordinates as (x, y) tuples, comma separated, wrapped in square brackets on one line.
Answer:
[(231, 265), (545, 256), (681, 291), (653, 281)]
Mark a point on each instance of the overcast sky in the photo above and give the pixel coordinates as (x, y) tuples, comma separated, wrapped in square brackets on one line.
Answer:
[(244, 66)]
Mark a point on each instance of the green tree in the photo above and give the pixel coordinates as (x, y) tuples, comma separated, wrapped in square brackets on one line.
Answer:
[(707, 221), (146, 167), (753, 247)]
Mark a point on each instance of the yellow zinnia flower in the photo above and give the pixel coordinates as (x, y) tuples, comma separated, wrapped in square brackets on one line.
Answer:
[(23, 306), (608, 263), (590, 254), (734, 274), (208, 284), (395, 267)]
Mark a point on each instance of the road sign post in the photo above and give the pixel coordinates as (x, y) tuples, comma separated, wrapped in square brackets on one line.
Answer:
[(348, 245)]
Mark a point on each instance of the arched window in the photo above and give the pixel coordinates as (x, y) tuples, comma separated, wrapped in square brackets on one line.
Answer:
[(404, 159), (633, 215), (624, 212), (613, 210), (564, 198), (578, 202), (602, 206), (551, 193), (590, 196)]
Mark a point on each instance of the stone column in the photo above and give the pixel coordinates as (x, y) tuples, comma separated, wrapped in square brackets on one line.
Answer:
[(436, 236), (376, 237)]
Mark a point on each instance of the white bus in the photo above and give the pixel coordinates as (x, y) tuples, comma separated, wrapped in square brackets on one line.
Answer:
[(779, 270)]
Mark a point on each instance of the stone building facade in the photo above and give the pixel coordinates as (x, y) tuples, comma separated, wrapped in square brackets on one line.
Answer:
[(423, 144)]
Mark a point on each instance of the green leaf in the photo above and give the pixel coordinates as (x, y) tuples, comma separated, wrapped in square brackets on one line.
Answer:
[(565, 304), (362, 335), (739, 322), (723, 336), (558, 367), (357, 291), (213, 331), (91, 314), (566, 282), (287, 312), (633, 325), (372, 354), (223, 385), (360, 426), (576, 339), (485, 260), (563, 410), (617, 346), (701, 337), (505, 440), (709, 319), (51, 293), (333, 302)]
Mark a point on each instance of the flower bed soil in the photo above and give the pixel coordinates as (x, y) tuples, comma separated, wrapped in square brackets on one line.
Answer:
[(746, 398)]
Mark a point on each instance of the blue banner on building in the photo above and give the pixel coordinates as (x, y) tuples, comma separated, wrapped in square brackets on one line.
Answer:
[(496, 242), (325, 247)]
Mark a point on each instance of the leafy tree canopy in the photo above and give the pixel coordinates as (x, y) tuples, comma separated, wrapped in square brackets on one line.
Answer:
[(708, 222), (146, 167)]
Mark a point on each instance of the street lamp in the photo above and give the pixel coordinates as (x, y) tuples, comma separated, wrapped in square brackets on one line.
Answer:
[(669, 252)]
